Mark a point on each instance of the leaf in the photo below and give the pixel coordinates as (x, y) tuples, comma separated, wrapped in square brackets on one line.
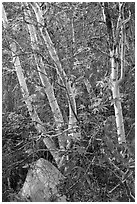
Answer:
[(126, 175), (69, 167), (109, 143), (82, 106), (118, 156), (79, 170), (97, 102), (88, 179), (81, 150), (95, 110)]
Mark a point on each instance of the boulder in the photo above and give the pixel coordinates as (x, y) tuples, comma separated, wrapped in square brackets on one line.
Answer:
[(41, 181)]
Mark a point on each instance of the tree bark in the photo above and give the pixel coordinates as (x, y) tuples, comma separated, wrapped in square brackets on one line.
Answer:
[(49, 44), (114, 41), (45, 81), (33, 114)]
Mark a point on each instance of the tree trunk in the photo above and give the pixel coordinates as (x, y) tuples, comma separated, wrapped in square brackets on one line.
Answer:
[(114, 42), (54, 56), (72, 120), (45, 81), (117, 103), (33, 114)]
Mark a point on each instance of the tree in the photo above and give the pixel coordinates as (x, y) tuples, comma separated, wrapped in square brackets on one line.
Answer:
[(117, 52), (72, 61)]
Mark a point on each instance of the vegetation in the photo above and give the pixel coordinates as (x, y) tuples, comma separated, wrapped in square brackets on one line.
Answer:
[(68, 76)]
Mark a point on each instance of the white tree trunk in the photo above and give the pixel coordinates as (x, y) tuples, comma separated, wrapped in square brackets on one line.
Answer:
[(117, 102), (38, 123), (45, 81), (114, 41), (56, 60)]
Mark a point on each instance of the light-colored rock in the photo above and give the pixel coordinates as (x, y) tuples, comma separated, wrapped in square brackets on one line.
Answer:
[(41, 181)]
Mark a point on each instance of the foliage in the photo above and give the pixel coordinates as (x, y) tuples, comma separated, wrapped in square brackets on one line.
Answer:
[(94, 170), (21, 146)]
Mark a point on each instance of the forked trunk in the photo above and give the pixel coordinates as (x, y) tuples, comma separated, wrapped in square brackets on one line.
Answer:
[(117, 51)]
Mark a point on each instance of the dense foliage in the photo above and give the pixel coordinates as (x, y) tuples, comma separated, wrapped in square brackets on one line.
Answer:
[(95, 171)]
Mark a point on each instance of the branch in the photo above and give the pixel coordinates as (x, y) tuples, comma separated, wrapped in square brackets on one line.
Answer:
[(123, 37), (67, 130), (98, 37), (98, 49), (109, 23)]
